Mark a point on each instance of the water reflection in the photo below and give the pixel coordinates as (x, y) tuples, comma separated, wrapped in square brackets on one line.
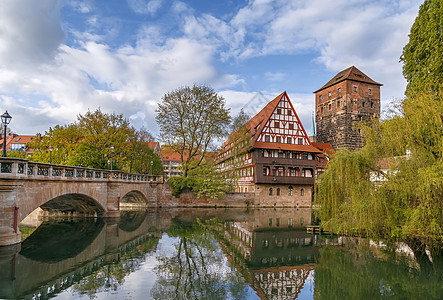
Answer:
[(206, 254)]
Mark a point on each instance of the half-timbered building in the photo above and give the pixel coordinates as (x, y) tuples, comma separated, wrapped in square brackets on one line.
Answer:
[(272, 157)]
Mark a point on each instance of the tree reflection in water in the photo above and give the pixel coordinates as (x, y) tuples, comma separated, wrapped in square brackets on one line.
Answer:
[(198, 269), (362, 272)]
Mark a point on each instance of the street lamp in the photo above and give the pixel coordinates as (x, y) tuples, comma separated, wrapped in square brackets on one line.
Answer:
[(151, 166), (6, 118), (112, 157), (50, 154)]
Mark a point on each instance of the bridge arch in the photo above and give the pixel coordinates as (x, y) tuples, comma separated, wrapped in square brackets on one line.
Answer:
[(74, 202), (134, 197)]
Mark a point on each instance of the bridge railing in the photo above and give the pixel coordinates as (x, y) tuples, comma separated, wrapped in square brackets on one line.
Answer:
[(23, 168)]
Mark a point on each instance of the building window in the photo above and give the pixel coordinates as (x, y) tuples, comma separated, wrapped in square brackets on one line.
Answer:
[(338, 103), (329, 106), (270, 192), (290, 190), (370, 91), (278, 191), (339, 90), (276, 124), (291, 126), (330, 94), (277, 221), (278, 111), (355, 88), (280, 172), (267, 138), (289, 112), (278, 139), (372, 105), (302, 192), (270, 222), (321, 109), (289, 140), (300, 141), (363, 104), (320, 97), (292, 172)]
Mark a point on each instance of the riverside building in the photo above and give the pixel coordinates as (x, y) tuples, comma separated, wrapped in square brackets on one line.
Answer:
[(271, 157)]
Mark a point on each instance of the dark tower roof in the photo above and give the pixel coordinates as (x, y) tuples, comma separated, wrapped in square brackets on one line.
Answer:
[(351, 73)]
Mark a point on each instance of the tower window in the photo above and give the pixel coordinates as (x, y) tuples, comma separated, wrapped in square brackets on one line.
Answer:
[(302, 192), (320, 97), (330, 94), (338, 103), (370, 91), (372, 105), (355, 88), (329, 106), (363, 104), (270, 194), (339, 90)]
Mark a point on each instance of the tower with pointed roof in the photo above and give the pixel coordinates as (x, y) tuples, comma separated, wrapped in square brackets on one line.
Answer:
[(348, 98), (272, 157)]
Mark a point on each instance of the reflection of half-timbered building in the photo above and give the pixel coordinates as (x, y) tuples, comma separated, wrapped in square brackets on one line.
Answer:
[(272, 157)]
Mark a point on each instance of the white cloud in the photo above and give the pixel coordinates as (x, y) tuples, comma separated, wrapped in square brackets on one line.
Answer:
[(145, 7), (29, 34)]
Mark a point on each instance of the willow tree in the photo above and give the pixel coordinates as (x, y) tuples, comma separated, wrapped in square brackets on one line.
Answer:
[(405, 203), (190, 119)]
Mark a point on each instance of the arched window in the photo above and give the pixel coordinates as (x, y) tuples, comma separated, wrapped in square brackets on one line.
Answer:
[(290, 190), (270, 192), (302, 192), (278, 191)]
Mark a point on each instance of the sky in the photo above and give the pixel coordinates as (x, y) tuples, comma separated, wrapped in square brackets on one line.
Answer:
[(61, 58)]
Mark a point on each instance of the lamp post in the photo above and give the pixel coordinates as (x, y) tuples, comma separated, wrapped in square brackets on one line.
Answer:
[(6, 118), (151, 166), (50, 154), (112, 157)]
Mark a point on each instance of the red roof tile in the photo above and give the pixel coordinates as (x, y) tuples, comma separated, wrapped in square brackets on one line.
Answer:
[(351, 73)]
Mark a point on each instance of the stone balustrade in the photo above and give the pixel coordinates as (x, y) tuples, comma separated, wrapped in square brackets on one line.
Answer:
[(17, 168)]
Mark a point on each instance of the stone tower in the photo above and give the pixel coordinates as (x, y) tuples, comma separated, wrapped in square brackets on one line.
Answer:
[(351, 96)]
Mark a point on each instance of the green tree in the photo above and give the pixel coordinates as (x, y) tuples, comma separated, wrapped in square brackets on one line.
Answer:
[(64, 140), (190, 119), (407, 203), (422, 57), (101, 131)]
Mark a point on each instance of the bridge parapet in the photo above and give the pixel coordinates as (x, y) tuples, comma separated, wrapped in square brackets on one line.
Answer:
[(17, 168)]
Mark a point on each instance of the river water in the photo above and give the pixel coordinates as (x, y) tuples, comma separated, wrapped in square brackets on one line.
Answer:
[(209, 254)]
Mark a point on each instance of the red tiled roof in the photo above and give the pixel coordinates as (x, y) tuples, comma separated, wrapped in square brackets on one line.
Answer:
[(168, 154), (324, 148), (153, 145), (17, 139), (351, 73)]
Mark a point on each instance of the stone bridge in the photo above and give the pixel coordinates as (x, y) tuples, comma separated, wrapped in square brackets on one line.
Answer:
[(26, 186)]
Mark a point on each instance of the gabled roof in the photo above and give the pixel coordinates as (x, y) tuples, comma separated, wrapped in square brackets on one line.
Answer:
[(351, 73), (257, 123)]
